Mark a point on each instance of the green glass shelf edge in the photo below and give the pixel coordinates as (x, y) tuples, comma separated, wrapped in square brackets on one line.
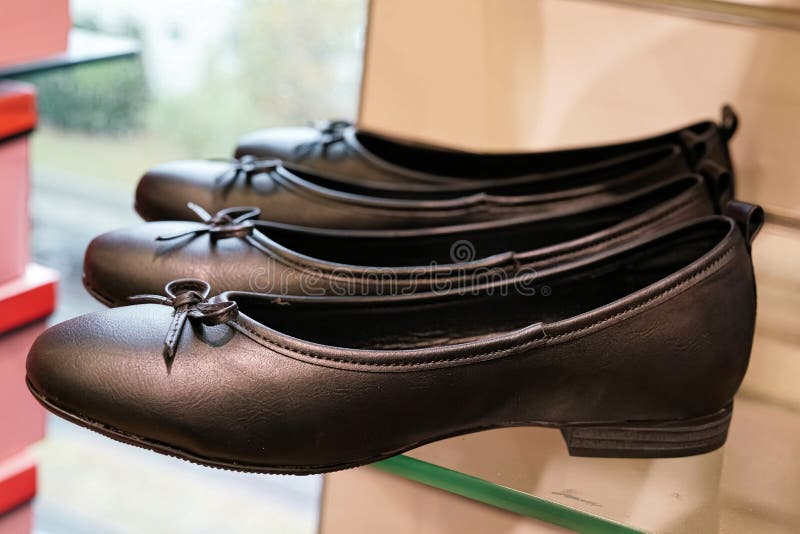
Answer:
[(84, 47), (501, 497)]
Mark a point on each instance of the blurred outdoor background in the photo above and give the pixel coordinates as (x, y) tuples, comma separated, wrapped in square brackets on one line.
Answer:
[(210, 71)]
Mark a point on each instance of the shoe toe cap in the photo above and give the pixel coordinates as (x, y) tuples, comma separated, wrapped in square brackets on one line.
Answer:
[(134, 261), (165, 190), (279, 143), (96, 367), (107, 371)]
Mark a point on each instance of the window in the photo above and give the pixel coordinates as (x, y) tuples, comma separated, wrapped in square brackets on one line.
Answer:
[(210, 71)]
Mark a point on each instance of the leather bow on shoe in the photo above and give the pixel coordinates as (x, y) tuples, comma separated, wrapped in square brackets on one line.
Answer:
[(330, 133), (331, 127), (245, 167), (189, 297), (229, 222)]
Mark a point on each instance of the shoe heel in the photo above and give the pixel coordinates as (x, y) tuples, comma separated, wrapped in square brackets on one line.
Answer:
[(685, 437)]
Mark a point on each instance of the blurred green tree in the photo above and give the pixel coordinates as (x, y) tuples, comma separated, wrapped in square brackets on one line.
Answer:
[(280, 62), (301, 60), (108, 98), (293, 61)]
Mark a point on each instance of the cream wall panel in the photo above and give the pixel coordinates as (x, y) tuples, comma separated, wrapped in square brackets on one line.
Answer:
[(526, 74), (366, 501)]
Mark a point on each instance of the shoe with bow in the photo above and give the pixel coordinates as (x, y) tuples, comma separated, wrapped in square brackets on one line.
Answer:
[(340, 148), (636, 351)]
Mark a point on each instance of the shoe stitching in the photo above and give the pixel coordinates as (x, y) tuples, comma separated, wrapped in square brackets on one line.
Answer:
[(395, 364), (173, 330), (670, 289), (545, 337), (298, 264), (628, 231)]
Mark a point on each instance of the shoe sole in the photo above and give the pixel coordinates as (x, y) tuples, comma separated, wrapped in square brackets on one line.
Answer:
[(667, 439)]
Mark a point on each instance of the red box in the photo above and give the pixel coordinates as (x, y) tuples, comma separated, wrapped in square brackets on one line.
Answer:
[(22, 419), (17, 521), (28, 298), (17, 119), (17, 482), (33, 29), (22, 301)]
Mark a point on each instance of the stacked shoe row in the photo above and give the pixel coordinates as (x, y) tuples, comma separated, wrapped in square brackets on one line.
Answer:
[(371, 295)]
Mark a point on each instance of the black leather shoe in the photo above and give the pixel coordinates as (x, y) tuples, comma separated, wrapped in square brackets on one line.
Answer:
[(235, 253), (340, 148), (634, 352), (295, 197), (361, 190)]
